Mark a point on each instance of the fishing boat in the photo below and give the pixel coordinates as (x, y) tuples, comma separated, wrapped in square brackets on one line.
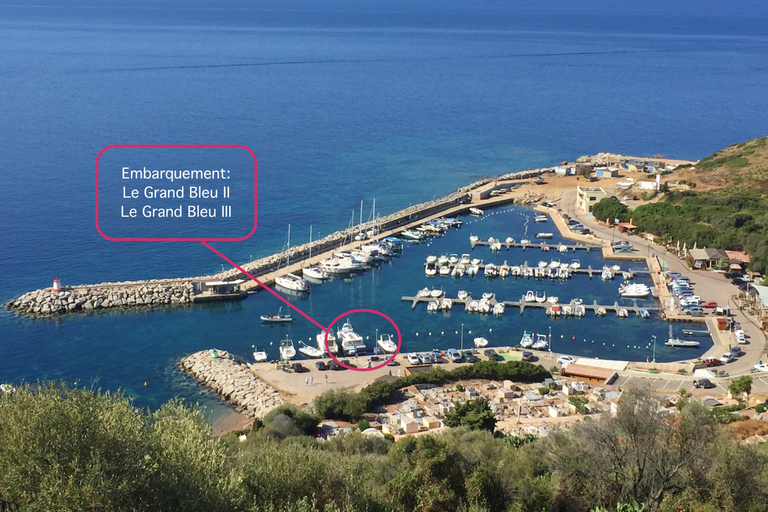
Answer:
[(310, 351), (351, 342), (544, 235), (527, 340), (529, 296), (386, 343), (541, 342), (541, 297), (259, 354), (287, 351), (481, 342), (476, 211), (332, 347), (278, 318)]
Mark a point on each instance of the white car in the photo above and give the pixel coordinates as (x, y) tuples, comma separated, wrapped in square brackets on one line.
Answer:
[(413, 358), (453, 355), (761, 367), (564, 360), (726, 358)]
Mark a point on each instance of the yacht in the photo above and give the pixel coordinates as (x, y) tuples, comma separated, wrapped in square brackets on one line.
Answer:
[(287, 352), (541, 297), (278, 318), (544, 235), (527, 340), (386, 343), (481, 342), (540, 217), (634, 291), (292, 282), (413, 235), (259, 354), (310, 351), (541, 342), (315, 272), (351, 342), (332, 347), (339, 265)]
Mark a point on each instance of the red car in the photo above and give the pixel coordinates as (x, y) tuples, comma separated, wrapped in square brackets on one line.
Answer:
[(712, 361), (709, 304)]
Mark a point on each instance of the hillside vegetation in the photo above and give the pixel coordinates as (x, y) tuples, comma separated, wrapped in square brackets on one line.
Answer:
[(71, 449), (738, 167)]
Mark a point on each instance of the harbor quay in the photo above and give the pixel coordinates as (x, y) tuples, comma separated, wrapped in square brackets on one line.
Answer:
[(233, 284)]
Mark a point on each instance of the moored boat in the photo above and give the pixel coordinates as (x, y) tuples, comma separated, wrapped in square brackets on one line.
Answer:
[(332, 347), (278, 318), (309, 351), (386, 343), (287, 350), (481, 342), (259, 354)]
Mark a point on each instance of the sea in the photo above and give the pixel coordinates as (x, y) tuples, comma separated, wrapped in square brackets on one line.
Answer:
[(341, 102)]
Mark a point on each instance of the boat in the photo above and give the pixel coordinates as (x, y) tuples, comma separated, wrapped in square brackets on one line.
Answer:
[(313, 271), (386, 343), (504, 270), (351, 342), (554, 264), (458, 270), (433, 305), (529, 296), (476, 261), (579, 311), (490, 270), (292, 282), (446, 304), (576, 301), (278, 318), (481, 342), (552, 299), (332, 347), (476, 211), (488, 295), (473, 270), (463, 294), (473, 239), (525, 241), (677, 342), (453, 259), (606, 274), (634, 291), (540, 217), (340, 265), (445, 270), (541, 342), (287, 351), (510, 240), (541, 297), (259, 354), (544, 235), (431, 258), (527, 340), (543, 264), (600, 311), (575, 264), (464, 260), (562, 248), (616, 268), (436, 293), (310, 351), (622, 313), (496, 246), (567, 310), (498, 309), (430, 270), (412, 235), (443, 259), (643, 313), (424, 292), (692, 332)]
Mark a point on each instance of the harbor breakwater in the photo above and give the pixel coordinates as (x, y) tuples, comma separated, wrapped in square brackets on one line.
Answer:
[(232, 379), (174, 292)]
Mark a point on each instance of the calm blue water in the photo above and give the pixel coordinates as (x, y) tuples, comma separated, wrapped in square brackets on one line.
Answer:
[(340, 102)]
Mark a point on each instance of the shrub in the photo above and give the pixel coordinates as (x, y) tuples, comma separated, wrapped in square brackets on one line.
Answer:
[(543, 391), (759, 408), (362, 425), (459, 388)]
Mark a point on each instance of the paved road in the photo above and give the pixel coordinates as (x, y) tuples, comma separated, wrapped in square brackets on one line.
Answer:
[(709, 285)]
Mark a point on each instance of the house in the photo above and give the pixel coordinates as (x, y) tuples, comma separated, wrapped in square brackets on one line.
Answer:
[(218, 288), (606, 172), (737, 259), (706, 258), (410, 425), (648, 185), (587, 197), (429, 422), (505, 394)]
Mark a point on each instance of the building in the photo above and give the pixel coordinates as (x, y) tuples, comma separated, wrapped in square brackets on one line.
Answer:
[(587, 197), (606, 172), (706, 258)]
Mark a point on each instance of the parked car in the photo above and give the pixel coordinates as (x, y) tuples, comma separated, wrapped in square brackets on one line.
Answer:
[(693, 310), (346, 362), (712, 361), (703, 383), (760, 366), (413, 358), (299, 368), (736, 351), (709, 304), (470, 357), (584, 231), (453, 355), (673, 274), (320, 365), (437, 356), (491, 354), (527, 356), (726, 358), (426, 358), (336, 367), (563, 360)]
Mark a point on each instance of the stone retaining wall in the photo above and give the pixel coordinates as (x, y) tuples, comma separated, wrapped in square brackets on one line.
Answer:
[(233, 380)]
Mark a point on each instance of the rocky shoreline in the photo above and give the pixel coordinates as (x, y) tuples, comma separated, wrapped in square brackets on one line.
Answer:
[(232, 379)]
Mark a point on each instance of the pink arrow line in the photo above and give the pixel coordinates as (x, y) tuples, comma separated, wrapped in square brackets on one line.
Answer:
[(270, 290)]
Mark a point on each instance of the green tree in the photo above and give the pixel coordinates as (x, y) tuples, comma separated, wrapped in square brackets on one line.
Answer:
[(741, 385), (475, 414), (579, 403), (362, 425), (283, 417), (609, 208), (722, 264)]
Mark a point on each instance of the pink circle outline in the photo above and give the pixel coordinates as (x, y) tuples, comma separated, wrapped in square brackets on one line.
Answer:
[(352, 311)]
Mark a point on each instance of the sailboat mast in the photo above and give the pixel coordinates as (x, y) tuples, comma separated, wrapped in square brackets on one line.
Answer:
[(310, 242), (288, 253), (361, 216)]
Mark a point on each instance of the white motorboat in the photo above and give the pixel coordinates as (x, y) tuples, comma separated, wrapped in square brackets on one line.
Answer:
[(339, 265), (436, 293), (332, 347), (496, 246), (278, 318), (292, 282), (287, 351), (540, 218), (490, 270), (576, 301), (543, 264), (463, 294), (430, 270), (525, 241), (453, 259), (473, 239), (386, 343), (616, 268), (464, 259), (458, 271), (424, 292), (259, 354), (542, 236), (488, 295), (445, 270), (498, 309), (310, 351), (481, 342), (677, 342), (579, 311), (351, 342), (433, 306), (443, 259), (541, 342), (516, 271), (634, 291), (567, 310), (623, 313), (476, 261), (552, 299), (529, 296), (554, 264), (446, 304), (504, 270), (510, 240), (527, 340), (541, 297), (575, 264), (473, 270), (600, 311), (564, 266), (476, 211), (413, 235), (562, 248), (606, 274), (431, 258)]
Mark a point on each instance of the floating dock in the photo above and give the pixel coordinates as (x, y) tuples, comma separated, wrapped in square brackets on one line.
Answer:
[(537, 245)]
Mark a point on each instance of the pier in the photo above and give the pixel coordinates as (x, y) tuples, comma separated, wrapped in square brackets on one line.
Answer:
[(537, 245)]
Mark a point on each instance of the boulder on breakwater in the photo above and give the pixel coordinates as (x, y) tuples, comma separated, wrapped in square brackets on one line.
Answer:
[(232, 379)]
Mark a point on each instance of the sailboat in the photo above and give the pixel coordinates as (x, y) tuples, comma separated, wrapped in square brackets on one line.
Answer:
[(291, 281), (313, 271)]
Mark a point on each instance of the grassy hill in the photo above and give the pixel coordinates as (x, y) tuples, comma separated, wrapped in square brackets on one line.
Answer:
[(740, 166)]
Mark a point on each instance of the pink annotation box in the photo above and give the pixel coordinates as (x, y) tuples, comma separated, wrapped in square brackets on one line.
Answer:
[(184, 238)]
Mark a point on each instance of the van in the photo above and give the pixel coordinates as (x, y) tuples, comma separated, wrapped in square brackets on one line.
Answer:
[(576, 227)]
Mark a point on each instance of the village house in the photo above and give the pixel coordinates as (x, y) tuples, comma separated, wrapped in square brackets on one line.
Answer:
[(587, 197)]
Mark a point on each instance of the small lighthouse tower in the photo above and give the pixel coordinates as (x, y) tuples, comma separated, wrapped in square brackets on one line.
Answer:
[(56, 285)]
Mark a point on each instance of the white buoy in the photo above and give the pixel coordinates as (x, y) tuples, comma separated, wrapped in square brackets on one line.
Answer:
[(56, 285)]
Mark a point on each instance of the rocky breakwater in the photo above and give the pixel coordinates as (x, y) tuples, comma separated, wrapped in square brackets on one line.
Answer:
[(88, 298), (232, 379)]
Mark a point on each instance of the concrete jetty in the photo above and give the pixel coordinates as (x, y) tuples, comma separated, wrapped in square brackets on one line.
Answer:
[(233, 380)]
